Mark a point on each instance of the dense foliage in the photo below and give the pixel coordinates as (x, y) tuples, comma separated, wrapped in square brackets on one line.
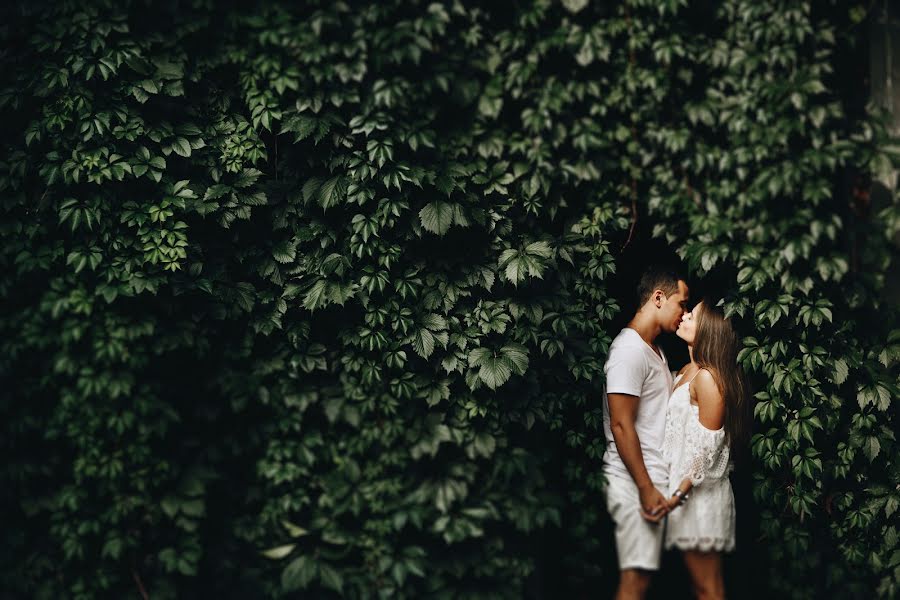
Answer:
[(314, 298)]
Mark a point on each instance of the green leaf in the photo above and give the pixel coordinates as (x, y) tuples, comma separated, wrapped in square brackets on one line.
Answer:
[(494, 371), (181, 147), (279, 551), (841, 371), (112, 548), (317, 296), (301, 125), (423, 343), (193, 508), (540, 249), (437, 217), (871, 447), (515, 270), (332, 192), (331, 578), (884, 397), (450, 363), (517, 355), (170, 506), (294, 531), (298, 574), (484, 444), (891, 504), (284, 252), (434, 322), (311, 188)]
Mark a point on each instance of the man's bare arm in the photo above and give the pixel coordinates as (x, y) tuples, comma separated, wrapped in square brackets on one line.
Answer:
[(622, 415)]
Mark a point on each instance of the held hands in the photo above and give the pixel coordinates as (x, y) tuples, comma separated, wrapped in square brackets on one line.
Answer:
[(654, 506), (673, 503)]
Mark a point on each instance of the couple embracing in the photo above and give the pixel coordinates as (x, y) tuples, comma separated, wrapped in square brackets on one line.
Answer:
[(669, 440)]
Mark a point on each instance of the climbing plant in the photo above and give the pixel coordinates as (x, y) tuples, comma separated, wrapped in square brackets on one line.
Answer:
[(311, 299)]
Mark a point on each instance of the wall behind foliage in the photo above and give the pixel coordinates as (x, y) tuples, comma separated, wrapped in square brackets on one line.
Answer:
[(334, 280)]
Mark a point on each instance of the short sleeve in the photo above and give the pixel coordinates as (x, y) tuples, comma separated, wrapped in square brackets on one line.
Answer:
[(626, 369)]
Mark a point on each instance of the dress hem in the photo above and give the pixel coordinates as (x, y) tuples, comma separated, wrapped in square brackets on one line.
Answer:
[(713, 547)]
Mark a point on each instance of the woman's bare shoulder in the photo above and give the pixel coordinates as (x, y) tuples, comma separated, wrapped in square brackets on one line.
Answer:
[(706, 387)]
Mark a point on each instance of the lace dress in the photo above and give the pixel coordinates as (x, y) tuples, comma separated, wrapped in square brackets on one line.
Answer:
[(706, 521)]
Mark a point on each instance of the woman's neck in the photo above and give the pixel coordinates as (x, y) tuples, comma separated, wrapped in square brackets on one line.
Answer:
[(691, 353)]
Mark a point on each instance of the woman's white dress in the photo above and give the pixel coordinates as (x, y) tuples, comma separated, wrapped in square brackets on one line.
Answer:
[(706, 521)]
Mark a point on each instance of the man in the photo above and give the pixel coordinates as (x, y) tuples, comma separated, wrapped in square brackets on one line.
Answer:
[(638, 384)]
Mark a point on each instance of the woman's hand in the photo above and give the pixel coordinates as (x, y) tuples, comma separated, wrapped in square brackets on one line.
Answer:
[(673, 503)]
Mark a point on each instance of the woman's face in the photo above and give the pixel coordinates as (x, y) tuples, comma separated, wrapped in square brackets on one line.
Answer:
[(687, 329)]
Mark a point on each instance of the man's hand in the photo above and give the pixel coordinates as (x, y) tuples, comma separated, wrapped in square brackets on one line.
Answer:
[(653, 504)]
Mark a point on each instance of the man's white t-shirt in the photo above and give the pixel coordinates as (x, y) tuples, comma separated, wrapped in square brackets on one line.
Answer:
[(634, 368)]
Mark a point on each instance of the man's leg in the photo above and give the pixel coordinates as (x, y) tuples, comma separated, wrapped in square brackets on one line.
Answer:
[(638, 542), (633, 584)]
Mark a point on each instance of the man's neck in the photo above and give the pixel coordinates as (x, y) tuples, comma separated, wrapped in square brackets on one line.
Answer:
[(646, 326)]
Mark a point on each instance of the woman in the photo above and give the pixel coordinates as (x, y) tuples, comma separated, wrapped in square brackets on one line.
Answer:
[(706, 418)]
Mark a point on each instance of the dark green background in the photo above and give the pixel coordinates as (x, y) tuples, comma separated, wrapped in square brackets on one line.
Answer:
[(336, 281)]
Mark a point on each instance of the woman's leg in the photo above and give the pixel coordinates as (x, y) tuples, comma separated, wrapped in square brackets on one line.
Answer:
[(705, 569)]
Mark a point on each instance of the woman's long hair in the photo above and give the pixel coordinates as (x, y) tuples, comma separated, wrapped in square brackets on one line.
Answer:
[(716, 346)]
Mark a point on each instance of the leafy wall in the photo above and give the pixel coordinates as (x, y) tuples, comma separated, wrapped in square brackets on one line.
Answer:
[(336, 281)]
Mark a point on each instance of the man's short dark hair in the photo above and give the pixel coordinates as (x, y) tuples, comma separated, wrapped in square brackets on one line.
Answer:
[(654, 278)]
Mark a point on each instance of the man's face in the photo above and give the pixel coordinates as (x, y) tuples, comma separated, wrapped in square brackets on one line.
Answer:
[(672, 308)]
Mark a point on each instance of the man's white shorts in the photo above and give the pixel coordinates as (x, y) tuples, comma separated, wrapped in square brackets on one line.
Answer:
[(638, 541)]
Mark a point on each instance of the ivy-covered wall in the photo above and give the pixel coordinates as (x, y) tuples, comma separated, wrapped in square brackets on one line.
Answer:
[(312, 299)]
